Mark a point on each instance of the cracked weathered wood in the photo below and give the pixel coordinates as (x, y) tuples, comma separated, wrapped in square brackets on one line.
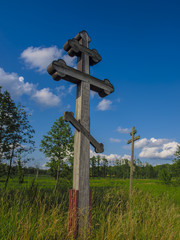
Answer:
[(73, 48), (69, 117), (132, 140), (59, 70)]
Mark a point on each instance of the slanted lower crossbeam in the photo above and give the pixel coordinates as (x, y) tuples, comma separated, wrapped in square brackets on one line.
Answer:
[(69, 117)]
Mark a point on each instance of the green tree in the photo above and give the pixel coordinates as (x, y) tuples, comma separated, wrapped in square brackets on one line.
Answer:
[(105, 166), (125, 168), (149, 171), (176, 165), (57, 145), (7, 114), (117, 168), (98, 165), (20, 171), (165, 176), (93, 162), (16, 134), (3, 169)]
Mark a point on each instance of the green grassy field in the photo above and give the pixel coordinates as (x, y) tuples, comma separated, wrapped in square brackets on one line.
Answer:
[(32, 211), (152, 186)]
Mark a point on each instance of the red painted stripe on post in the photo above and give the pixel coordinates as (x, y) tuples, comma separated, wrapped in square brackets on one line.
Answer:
[(70, 210)]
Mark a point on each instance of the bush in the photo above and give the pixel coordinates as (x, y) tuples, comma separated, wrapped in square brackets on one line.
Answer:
[(64, 185), (165, 176)]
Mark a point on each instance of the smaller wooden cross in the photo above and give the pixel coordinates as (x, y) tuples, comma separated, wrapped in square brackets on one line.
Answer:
[(132, 140)]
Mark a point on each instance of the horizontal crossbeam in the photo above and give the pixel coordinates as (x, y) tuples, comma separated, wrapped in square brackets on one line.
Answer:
[(133, 132), (136, 138), (73, 48), (69, 117), (59, 70)]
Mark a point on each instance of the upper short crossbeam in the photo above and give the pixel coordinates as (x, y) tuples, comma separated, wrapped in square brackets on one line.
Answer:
[(133, 139)]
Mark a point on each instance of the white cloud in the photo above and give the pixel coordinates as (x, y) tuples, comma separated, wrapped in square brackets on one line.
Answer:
[(15, 84), (152, 142), (39, 58), (126, 156), (46, 97), (17, 87), (111, 157), (70, 61), (141, 143), (123, 130), (104, 105), (158, 148), (115, 140)]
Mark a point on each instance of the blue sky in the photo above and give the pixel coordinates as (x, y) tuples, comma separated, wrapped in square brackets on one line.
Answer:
[(139, 45)]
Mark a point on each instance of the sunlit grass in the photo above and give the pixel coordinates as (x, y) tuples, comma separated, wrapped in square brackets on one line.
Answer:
[(153, 186), (141, 217)]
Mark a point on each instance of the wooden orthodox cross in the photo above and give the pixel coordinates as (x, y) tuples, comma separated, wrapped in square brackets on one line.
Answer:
[(132, 140), (80, 195)]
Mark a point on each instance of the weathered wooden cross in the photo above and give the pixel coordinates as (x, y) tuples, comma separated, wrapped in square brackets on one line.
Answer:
[(132, 140), (79, 46)]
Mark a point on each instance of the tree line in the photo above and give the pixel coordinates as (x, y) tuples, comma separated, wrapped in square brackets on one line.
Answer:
[(57, 145), (99, 167)]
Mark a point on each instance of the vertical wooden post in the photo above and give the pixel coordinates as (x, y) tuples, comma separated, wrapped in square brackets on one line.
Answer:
[(132, 164), (81, 142)]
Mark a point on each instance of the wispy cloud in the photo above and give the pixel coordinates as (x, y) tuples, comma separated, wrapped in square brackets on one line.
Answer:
[(92, 94), (39, 58), (71, 87), (115, 140), (123, 130), (104, 105)]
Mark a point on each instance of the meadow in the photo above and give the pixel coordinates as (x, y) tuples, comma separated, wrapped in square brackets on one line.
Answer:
[(32, 211)]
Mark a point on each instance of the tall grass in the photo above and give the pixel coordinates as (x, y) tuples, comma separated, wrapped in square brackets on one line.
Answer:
[(33, 214), (141, 217), (39, 214)]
